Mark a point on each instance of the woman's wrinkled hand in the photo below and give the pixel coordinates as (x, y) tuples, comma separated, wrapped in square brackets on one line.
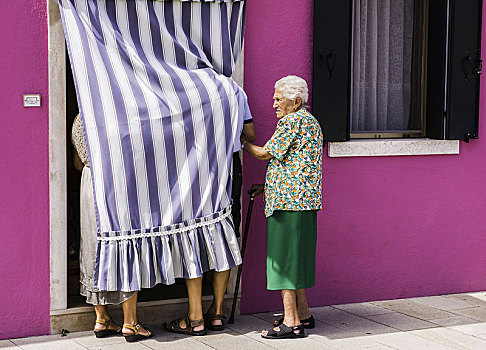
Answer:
[(256, 189)]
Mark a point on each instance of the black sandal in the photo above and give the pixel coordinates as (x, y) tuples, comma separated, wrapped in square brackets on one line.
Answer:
[(285, 332), (103, 333), (131, 337), (308, 323), (175, 327), (209, 318)]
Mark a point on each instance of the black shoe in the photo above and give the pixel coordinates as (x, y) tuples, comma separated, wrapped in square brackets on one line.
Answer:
[(308, 323)]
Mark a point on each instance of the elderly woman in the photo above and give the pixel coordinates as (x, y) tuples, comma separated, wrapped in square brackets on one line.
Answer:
[(292, 199), (132, 330)]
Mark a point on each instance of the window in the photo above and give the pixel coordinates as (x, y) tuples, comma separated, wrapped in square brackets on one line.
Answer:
[(400, 68), (387, 43)]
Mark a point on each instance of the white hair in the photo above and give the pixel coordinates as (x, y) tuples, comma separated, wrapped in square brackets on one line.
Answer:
[(292, 87)]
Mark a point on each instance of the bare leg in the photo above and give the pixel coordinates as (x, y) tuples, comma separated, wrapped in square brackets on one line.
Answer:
[(302, 307), (194, 293), (129, 307), (220, 282), (291, 315), (103, 316)]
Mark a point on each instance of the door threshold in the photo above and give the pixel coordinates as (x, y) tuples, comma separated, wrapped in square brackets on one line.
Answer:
[(79, 319)]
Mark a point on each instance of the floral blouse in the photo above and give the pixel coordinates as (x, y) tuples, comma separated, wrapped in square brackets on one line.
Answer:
[(294, 174)]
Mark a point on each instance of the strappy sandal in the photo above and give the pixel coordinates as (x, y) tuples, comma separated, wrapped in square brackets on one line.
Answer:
[(175, 327), (131, 337), (209, 318), (308, 323), (285, 332), (103, 333)]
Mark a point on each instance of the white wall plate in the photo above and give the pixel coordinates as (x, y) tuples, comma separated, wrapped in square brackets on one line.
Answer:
[(32, 100)]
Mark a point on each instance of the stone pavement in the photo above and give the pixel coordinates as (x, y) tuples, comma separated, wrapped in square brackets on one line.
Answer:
[(455, 321)]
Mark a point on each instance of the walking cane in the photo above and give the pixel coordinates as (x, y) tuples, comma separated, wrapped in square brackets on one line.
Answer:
[(243, 245)]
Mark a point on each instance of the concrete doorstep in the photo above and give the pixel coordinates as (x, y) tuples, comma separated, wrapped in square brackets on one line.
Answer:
[(456, 321)]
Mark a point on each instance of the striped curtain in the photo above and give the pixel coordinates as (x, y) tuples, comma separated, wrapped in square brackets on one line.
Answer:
[(161, 118)]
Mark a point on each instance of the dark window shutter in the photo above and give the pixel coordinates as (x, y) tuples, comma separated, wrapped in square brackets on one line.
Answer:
[(463, 77), (331, 75), (460, 120)]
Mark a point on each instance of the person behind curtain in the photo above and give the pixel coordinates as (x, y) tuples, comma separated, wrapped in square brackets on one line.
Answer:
[(195, 323), (104, 324), (292, 198)]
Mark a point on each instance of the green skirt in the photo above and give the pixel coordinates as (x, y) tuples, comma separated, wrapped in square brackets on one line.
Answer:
[(291, 249)]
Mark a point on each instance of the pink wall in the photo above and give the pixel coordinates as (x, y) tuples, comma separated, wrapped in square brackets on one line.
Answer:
[(391, 227), (24, 171)]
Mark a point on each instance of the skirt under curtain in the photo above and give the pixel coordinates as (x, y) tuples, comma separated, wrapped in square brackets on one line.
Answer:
[(88, 246)]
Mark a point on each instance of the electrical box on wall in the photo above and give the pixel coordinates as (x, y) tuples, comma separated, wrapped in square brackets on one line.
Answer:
[(32, 100)]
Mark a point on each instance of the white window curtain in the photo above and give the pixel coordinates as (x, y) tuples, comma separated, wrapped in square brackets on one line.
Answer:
[(381, 69)]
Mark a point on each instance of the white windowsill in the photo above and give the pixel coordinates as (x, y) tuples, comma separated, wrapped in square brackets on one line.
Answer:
[(392, 147)]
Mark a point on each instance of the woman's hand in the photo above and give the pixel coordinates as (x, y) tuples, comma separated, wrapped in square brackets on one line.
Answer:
[(256, 189)]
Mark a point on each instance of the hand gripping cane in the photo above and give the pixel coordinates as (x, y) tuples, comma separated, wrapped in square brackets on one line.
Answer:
[(243, 245)]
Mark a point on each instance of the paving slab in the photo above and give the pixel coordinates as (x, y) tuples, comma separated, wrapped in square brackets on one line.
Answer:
[(88, 339), (473, 300), (179, 343), (407, 341), (451, 338), (269, 316), (471, 329), (328, 314), (363, 309), (245, 324), (414, 309), (330, 332), (231, 340), (442, 302), (478, 295), (39, 343), (333, 316), (236, 342), (7, 344), (347, 343), (480, 336), (476, 313), (163, 339), (121, 346), (454, 321), (306, 343), (401, 322), (350, 322)]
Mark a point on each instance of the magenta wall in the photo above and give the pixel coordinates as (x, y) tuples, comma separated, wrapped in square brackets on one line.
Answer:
[(391, 227), (24, 171)]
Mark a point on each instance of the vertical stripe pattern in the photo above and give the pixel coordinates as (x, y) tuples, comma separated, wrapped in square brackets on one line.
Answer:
[(161, 118)]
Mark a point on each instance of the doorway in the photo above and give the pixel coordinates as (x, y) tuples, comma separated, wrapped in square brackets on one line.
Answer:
[(68, 309)]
